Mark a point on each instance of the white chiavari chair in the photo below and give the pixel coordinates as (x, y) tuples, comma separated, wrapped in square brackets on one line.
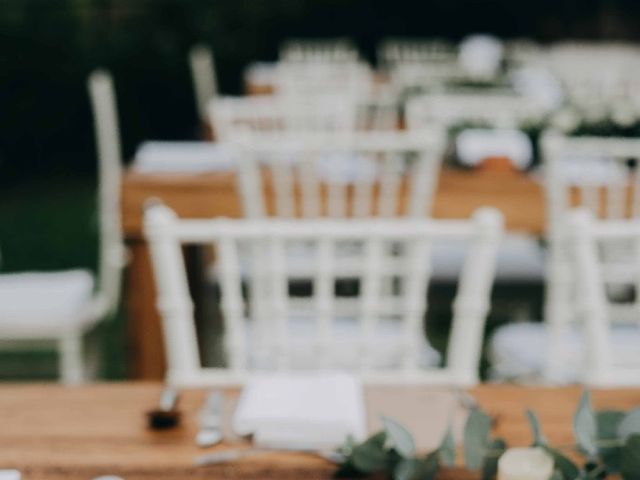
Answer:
[(610, 355), (598, 174), (383, 342), (270, 113), (393, 52), (361, 174), (203, 73), (57, 308), (331, 50)]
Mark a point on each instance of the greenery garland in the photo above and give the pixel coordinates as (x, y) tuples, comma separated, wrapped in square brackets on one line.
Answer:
[(608, 440)]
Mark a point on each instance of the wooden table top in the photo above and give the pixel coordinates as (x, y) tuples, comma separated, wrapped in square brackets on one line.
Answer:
[(460, 192), (53, 432)]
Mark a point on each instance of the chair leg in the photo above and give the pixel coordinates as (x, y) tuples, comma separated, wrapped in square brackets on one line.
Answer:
[(71, 359)]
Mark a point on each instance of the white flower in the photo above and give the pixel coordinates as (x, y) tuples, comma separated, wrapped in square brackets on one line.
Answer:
[(565, 120), (525, 464)]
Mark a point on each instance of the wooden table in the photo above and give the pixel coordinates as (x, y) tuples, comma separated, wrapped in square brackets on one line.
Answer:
[(459, 193), (53, 432)]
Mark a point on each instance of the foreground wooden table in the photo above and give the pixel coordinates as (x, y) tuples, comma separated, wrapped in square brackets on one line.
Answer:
[(459, 193), (52, 432)]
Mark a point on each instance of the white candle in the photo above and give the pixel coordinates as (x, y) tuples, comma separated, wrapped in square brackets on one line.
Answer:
[(525, 464)]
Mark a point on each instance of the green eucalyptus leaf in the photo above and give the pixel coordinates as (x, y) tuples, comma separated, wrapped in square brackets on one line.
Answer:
[(490, 463), (447, 450), (630, 424), (556, 475), (561, 463), (476, 438), (630, 458), (406, 469), (584, 426), (400, 437), (538, 438), (370, 456), (608, 422)]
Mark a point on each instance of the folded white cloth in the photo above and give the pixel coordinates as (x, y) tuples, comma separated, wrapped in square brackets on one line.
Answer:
[(180, 156), (477, 144), (10, 475), (480, 55), (301, 412)]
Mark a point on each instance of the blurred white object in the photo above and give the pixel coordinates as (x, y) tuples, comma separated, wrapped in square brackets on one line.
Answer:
[(498, 110), (301, 412), (598, 170), (358, 160), (10, 475), (203, 72), (59, 307), (394, 52), (480, 55), (539, 84), (319, 50), (231, 116), (187, 157), (533, 463), (520, 260), (260, 74), (272, 310), (474, 145)]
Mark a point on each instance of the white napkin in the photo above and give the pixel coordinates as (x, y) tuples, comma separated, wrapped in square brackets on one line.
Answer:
[(480, 55), (477, 144), (301, 411), (10, 475), (183, 157)]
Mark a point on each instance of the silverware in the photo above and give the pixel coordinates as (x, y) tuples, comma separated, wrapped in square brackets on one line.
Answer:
[(210, 432)]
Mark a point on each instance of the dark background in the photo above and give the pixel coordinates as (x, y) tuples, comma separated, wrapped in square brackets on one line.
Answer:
[(47, 48)]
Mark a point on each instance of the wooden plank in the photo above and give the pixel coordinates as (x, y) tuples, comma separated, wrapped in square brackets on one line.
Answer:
[(53, 432)]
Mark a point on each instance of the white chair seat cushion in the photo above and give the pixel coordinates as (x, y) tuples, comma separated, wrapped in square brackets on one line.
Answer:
[(345, 347), (520, 259), (519, 351), (44, 303)]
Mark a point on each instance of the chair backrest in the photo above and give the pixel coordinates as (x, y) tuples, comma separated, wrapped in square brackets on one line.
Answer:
[(393, 52), (261, 333), (319, 50), (112, 253), (494, 109), (599, 173), (589, 239), (203, 74), (271, 113), (349, 79), (363, 174)]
